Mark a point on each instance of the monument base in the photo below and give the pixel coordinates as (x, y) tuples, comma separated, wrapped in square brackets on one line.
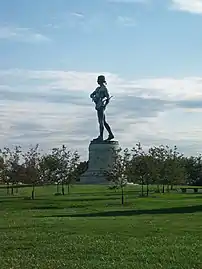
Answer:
[(93, 177), (101, 159)]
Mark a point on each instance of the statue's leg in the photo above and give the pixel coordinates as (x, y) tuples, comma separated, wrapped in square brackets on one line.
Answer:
[(100, 114), (106, 125)]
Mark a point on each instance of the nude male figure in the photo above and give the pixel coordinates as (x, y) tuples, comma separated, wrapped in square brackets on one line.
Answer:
[(101, 99)]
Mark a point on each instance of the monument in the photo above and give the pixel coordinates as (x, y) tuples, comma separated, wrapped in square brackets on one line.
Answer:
[(101, 152)]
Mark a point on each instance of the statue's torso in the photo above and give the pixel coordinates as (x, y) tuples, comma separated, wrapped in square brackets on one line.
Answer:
[(99, 98)]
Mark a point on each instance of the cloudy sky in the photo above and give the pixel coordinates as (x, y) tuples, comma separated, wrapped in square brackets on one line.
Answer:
[(51, 52)]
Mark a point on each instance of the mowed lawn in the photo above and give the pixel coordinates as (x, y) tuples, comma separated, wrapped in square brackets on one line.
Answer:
[(90, 229)]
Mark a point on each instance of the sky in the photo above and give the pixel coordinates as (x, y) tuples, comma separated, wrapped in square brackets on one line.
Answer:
[(52, 51)]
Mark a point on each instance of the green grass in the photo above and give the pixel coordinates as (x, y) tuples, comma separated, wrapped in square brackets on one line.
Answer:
[(90, 229)]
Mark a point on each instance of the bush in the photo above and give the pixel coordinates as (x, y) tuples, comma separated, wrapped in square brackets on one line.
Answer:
[(58, 194)]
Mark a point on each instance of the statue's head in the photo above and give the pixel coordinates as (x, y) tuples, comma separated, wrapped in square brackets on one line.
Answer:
[(101, 80)]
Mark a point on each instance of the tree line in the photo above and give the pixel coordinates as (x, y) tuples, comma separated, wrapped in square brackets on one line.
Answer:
[(162, 166), (60, 167)]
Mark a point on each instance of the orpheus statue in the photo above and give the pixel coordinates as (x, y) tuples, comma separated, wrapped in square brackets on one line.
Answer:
[(101, 99)]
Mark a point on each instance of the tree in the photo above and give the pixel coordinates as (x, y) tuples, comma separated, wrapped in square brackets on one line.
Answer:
[(193, 167), (10, 166), (72, 169), (80, 170), (4, 169), (119, 173), (160, 165), (156, 168), (67, 162), (139, 167), (168, 168), (31, 167), (48, 167), (175, 168)]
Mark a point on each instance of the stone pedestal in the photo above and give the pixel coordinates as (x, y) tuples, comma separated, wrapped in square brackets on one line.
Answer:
[(101, 158)]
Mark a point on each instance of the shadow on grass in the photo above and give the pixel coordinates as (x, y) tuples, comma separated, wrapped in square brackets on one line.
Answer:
[(159, 211), (81, 199), (91, 199), (38, 204), (70, 199), (193, 196), (8, 198), (106, 193), (45, 207), (97, 194), (56, 207)]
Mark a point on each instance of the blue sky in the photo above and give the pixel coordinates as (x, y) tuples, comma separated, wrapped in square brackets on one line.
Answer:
[(51, 52)]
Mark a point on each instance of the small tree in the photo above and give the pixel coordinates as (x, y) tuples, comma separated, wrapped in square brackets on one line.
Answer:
[(193, 168), (10, 166), (4, 169), (61, 155), (139, 167), (31, 166), (67, 162), (175, 168), (72, 169), (168, 168), (80, 169), (119, 173), (48, 167)]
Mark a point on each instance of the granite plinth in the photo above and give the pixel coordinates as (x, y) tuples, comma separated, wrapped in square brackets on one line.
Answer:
[(101, 158)]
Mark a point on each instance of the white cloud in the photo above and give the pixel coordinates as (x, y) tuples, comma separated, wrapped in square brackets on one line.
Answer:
[(192, 6), (90, 22), (53, 107), (77, 14), (21, 34), (169, 88), (126, 21)]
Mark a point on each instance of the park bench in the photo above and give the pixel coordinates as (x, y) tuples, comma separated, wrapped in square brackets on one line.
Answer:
[(189, 188)]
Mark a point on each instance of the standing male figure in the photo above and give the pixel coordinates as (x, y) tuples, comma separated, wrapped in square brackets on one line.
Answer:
[(101, 98)]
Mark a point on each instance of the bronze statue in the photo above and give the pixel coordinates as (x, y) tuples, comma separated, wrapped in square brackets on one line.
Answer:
[(101, 99)]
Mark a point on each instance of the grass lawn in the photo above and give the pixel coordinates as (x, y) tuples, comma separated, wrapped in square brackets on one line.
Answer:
[(90, 229)]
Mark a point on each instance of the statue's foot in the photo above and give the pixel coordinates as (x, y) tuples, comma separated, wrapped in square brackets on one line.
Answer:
[(99, 138), (110, 137)]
